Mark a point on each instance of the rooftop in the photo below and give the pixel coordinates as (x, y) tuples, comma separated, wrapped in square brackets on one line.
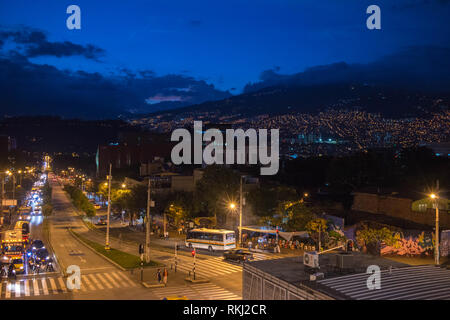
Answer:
[(403, 282)]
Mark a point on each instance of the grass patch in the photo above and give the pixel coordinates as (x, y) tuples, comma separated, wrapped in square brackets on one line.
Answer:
[(125, 260)]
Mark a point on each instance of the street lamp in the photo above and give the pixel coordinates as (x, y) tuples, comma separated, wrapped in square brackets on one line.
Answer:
[(123, 185), (107, 247), (232, 206), (436, 204)]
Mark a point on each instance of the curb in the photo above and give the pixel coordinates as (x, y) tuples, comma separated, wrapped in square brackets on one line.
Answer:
[(145, 284), (95, 251), (197, 280)]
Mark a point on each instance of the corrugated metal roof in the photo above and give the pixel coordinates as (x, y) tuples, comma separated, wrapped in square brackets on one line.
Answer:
[(409, 283)]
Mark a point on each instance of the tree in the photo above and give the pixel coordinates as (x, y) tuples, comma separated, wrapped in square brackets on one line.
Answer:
[(218, 187), (370, 239)]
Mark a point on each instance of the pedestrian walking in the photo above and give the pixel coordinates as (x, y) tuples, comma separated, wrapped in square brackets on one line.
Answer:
[(165, 276), (158, 275)]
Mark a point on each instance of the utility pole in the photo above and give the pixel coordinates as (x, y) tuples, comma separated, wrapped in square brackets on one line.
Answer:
[(147, 225), (240, 214), (165, 222), (176, 256), (14, 187), (107, 246), (320, 240), (3, 191)]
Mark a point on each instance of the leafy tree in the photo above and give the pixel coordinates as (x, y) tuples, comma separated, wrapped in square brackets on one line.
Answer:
[(218, 186), (370, 239)]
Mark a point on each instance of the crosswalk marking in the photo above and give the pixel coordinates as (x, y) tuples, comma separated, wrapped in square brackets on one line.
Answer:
[(206, 291), (62, 285), (17, 289), (27, 289), (122, 283), (8, 290), (53, 285), (112, 280), (217, 266), (44, 287), (101, 277), (97, 283), (88, 282), (57, 285), (133, 284), (35, 287)]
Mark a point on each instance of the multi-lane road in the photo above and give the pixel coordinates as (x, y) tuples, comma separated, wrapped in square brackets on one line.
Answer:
[(102, 280)]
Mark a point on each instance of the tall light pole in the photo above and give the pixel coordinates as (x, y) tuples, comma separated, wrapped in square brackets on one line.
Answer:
[(436, 250), (147, 225), (3, 191), (107, 247)]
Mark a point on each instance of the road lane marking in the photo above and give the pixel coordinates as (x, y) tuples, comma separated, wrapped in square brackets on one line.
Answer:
[(97, 283)]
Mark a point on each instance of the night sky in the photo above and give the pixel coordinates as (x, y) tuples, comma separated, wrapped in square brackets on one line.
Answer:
[(133, 54)]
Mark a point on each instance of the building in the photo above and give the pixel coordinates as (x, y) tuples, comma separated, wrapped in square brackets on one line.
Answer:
[(409, 206), (342, 279), (128, 156), (7, 144)]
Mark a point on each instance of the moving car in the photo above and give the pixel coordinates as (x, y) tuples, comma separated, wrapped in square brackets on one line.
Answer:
[(37, 245), (42, 256), (18, 264), (240, 255), (101, 222)]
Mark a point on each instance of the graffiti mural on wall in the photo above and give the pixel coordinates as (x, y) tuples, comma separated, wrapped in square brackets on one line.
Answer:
[(421, 245)]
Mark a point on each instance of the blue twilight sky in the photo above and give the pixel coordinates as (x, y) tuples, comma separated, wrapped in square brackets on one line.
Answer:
[(227, 43)]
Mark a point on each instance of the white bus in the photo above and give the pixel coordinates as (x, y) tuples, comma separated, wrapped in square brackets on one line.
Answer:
[(211, 239)]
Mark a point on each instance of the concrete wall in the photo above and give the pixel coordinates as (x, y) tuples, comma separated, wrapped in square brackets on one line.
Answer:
[(259, 285), (398, 208)]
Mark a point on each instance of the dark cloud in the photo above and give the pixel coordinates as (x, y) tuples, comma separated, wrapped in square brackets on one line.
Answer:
[(27, 88), (417, 67), (34, 43)]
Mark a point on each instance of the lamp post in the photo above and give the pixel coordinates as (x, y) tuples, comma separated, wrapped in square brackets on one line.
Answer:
[(436, 204), (107, 246), (147, 225)]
